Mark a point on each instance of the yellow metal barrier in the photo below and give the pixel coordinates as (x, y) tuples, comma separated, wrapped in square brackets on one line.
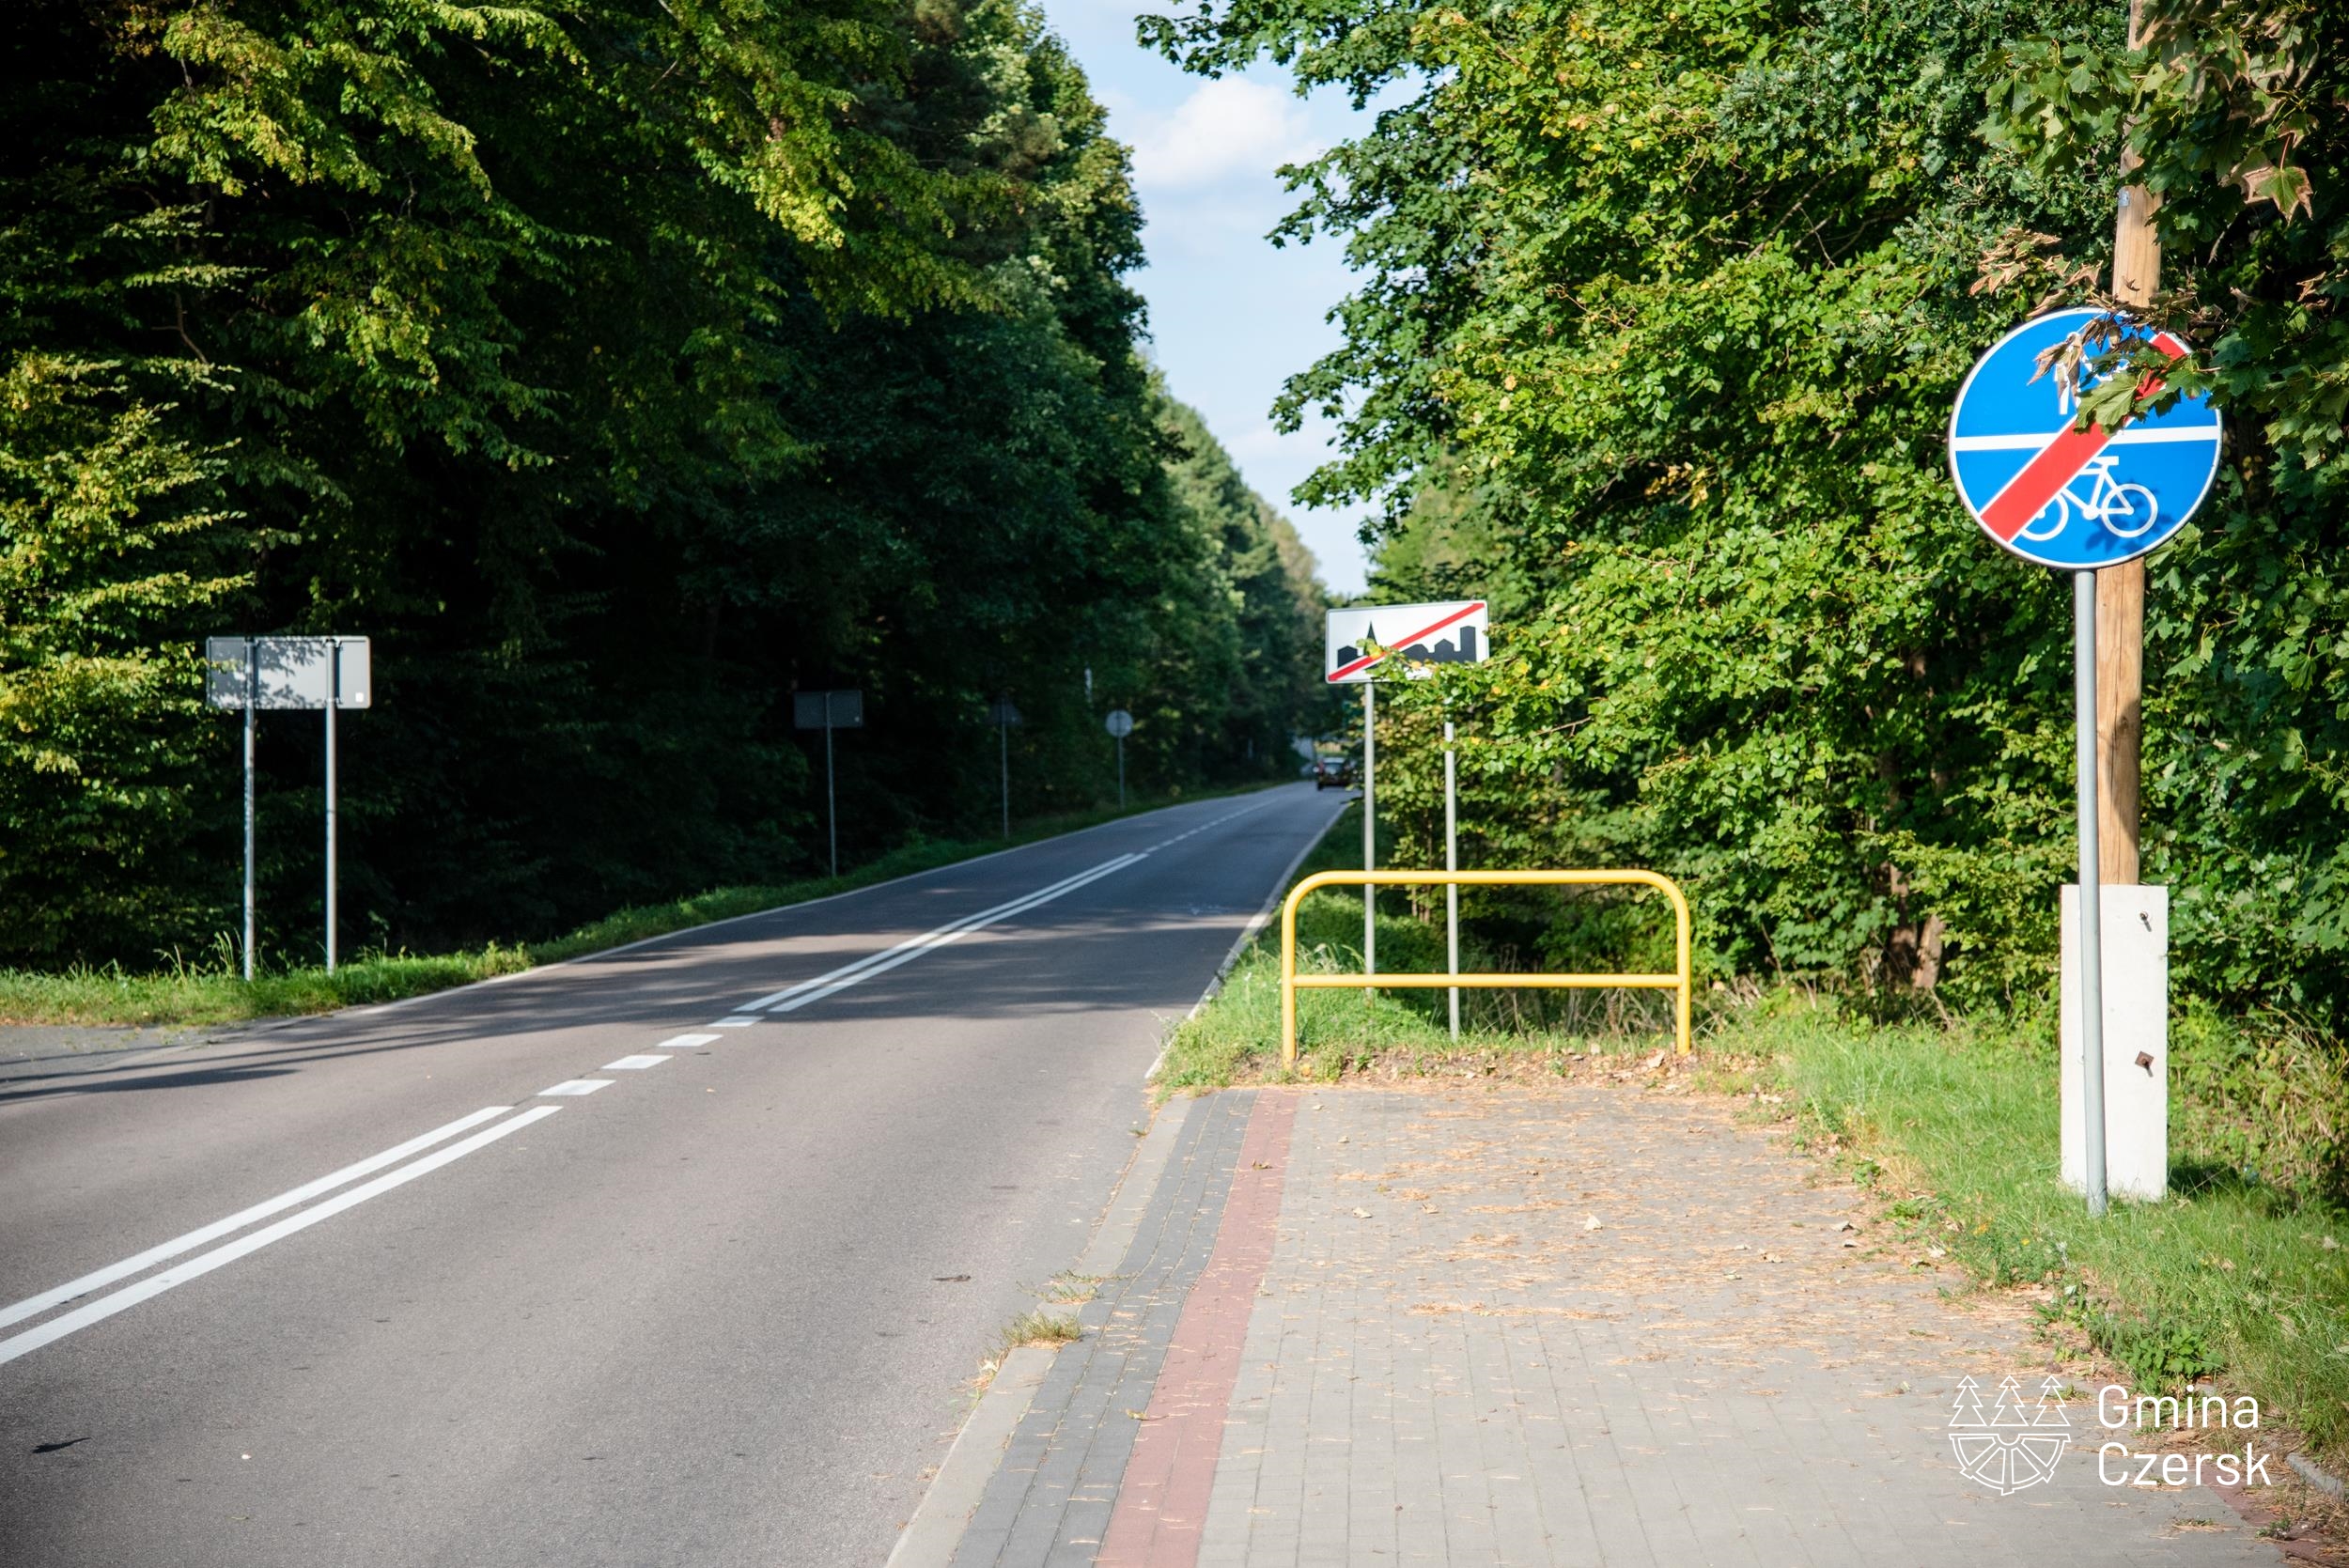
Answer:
[(1291, 980)]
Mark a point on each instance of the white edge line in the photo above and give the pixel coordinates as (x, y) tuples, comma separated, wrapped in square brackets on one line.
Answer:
[(154, 1285), (1248, 932), (32, 1306), (755, 915)]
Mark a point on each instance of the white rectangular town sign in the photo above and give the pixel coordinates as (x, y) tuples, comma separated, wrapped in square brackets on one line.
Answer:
[(1383, 641)]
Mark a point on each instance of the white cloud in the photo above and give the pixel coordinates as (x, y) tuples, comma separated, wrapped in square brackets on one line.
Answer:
[(1228, 126)]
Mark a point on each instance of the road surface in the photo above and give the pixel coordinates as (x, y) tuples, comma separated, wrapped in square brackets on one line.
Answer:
[(360, 1291)]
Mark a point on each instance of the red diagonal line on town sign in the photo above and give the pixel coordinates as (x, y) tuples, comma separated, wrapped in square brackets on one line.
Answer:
[(2060, 462), (1369, 658)]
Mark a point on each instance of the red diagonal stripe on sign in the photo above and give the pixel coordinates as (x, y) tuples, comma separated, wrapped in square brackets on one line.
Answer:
[(1369, 658), (2060, 462)]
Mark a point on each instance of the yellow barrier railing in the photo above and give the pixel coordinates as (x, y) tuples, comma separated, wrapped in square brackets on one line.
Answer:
[(1291, 980)]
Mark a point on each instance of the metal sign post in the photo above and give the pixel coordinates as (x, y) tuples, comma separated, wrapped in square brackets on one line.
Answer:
[(1370, 831), (1451, 863), (255, 673), (1120, 724), (252, 707), (2078, 499), (829, 711), (1005, 713), (1354, 652), (333, 679)]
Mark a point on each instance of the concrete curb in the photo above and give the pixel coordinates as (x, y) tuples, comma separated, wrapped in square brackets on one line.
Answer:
[(930, 1537), (2322, 1479)]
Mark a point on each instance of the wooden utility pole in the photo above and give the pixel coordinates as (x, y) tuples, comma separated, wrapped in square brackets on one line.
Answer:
[(2121, 590)]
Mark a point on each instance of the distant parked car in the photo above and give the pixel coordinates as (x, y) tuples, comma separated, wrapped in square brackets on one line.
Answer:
[(1333, 773)]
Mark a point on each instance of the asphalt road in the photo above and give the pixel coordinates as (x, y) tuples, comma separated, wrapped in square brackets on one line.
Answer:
[(721, 1310)]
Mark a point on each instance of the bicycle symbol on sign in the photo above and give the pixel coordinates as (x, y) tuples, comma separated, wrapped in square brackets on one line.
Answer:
[(2125, 510)]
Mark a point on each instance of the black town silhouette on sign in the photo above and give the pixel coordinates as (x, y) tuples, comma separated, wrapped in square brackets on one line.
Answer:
[(1445, 652)]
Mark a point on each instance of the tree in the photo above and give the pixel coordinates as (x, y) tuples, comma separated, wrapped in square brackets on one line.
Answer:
[(618, 368), (1663, 310)]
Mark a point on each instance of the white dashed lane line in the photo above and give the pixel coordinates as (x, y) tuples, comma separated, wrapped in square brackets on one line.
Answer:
[(633, 1064), (686, 1042), (576, 1086)]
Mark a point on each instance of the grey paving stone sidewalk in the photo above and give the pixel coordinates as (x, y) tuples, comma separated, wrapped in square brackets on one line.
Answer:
[(1048, 1502), (1606, 1326)]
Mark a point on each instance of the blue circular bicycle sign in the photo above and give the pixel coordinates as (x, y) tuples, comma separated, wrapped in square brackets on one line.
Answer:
[(2074, 500)]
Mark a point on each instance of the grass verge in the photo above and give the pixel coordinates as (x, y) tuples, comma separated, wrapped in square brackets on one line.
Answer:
[(2233, 1274), (211, 992), (2242, 1272), (1038, 1328), (1237, 1036)]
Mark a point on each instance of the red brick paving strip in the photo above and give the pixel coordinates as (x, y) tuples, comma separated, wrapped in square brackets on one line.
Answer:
[(1163, 1502)]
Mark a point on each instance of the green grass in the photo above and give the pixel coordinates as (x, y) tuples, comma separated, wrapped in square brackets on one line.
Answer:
[(210, 991), (1236, 1037), (1038, 1328), (2232, 1274), (2243, 1272)]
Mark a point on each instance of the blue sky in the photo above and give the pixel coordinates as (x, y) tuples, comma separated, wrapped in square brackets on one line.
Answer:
[(1230, 316)]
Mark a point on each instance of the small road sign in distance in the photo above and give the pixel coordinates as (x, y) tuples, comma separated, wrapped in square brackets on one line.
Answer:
[(828, 710), (287, 671), (1382, 642), (1120, 722), (2075, 500)]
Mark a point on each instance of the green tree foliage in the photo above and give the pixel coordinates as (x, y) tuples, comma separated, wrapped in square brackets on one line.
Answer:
[(1665, 305), (620, 367)]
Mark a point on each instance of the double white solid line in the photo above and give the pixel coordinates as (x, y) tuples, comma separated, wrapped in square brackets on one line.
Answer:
[(831, 982), (107, 1306)]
